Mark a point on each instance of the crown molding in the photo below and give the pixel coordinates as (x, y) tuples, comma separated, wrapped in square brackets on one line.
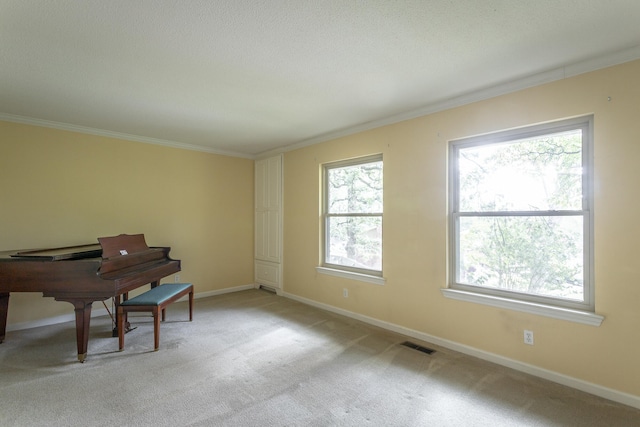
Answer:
[(570, 70), (117, 135), (566, 71)]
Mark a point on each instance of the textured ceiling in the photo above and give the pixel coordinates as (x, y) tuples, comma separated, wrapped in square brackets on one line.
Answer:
[(244, 77)]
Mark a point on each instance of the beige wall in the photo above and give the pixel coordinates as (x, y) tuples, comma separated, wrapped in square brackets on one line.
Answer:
[(61, 188), (415, 229)]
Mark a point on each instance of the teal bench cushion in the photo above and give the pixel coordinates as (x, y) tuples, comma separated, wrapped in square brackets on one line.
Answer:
[(158, 295)]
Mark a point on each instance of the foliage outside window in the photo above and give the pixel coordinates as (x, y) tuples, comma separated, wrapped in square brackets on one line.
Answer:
[(520, 214), (352, 214)]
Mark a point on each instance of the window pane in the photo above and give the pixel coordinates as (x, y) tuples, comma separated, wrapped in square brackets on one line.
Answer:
[(540, 255), (355, 242), (355, 189), (541, 173)]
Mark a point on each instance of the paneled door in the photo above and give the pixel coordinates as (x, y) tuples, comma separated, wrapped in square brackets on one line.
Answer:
[(268, 221)]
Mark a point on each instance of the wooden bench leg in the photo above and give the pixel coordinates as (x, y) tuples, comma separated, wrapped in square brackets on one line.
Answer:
[(120, 326), (156, 328), (158, 312)]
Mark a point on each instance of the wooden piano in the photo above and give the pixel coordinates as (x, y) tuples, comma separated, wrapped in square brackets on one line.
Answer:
[(83, 274)]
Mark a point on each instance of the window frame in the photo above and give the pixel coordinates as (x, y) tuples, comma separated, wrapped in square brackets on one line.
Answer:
[(525, 301), (368, 275)]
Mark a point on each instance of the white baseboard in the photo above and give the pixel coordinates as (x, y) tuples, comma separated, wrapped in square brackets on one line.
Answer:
[(595, 389), (99, 310), (71, 317), (224, 291)]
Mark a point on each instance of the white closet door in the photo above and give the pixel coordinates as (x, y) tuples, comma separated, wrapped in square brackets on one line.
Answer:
[(268, 221)]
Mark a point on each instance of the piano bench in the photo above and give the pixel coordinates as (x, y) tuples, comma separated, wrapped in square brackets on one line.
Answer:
[(155, 301)]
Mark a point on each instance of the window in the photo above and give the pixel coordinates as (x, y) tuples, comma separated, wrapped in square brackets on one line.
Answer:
[(352, 216), (521, 217)]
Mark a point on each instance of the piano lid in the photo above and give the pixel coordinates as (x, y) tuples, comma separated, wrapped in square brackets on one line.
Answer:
[(108, 247), (56, 254)]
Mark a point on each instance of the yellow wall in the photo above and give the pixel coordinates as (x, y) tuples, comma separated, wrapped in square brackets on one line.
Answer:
[(64, 188), (415, 229), (60, 188)]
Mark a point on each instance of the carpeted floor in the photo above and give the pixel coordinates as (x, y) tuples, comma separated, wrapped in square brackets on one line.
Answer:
[(252, 358)]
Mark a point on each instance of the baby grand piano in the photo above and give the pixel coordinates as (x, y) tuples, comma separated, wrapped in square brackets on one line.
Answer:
[(83, 274)]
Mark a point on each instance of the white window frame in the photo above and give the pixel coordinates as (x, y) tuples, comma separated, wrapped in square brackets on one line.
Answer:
[(361, 274), (580, 311)]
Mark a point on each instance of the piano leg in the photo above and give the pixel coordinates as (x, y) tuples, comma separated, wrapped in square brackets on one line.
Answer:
[(4, 306), (83, 317)]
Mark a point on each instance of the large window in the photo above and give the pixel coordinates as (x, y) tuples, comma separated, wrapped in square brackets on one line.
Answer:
[(521, 216), (352, 215)]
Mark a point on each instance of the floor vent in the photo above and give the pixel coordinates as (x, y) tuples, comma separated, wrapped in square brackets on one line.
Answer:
[(418, 347)]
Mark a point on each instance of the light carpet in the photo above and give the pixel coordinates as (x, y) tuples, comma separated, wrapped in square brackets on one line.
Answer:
[(252, 358)]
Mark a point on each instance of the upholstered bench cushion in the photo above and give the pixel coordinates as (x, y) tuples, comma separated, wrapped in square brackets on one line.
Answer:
[(158, 295)]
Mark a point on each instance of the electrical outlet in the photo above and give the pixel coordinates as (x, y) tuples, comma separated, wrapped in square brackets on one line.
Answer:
[(528, 337), (345, 293), (176, 278)]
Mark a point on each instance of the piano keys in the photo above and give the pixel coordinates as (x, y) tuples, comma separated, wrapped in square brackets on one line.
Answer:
[(83, 274)]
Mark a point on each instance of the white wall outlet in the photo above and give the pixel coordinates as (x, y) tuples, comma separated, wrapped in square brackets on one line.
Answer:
[(345, 293), (528, 337), (176, 278)]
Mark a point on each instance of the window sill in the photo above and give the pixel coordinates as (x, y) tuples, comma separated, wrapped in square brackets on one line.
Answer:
[(350, 275), (577, 316)]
